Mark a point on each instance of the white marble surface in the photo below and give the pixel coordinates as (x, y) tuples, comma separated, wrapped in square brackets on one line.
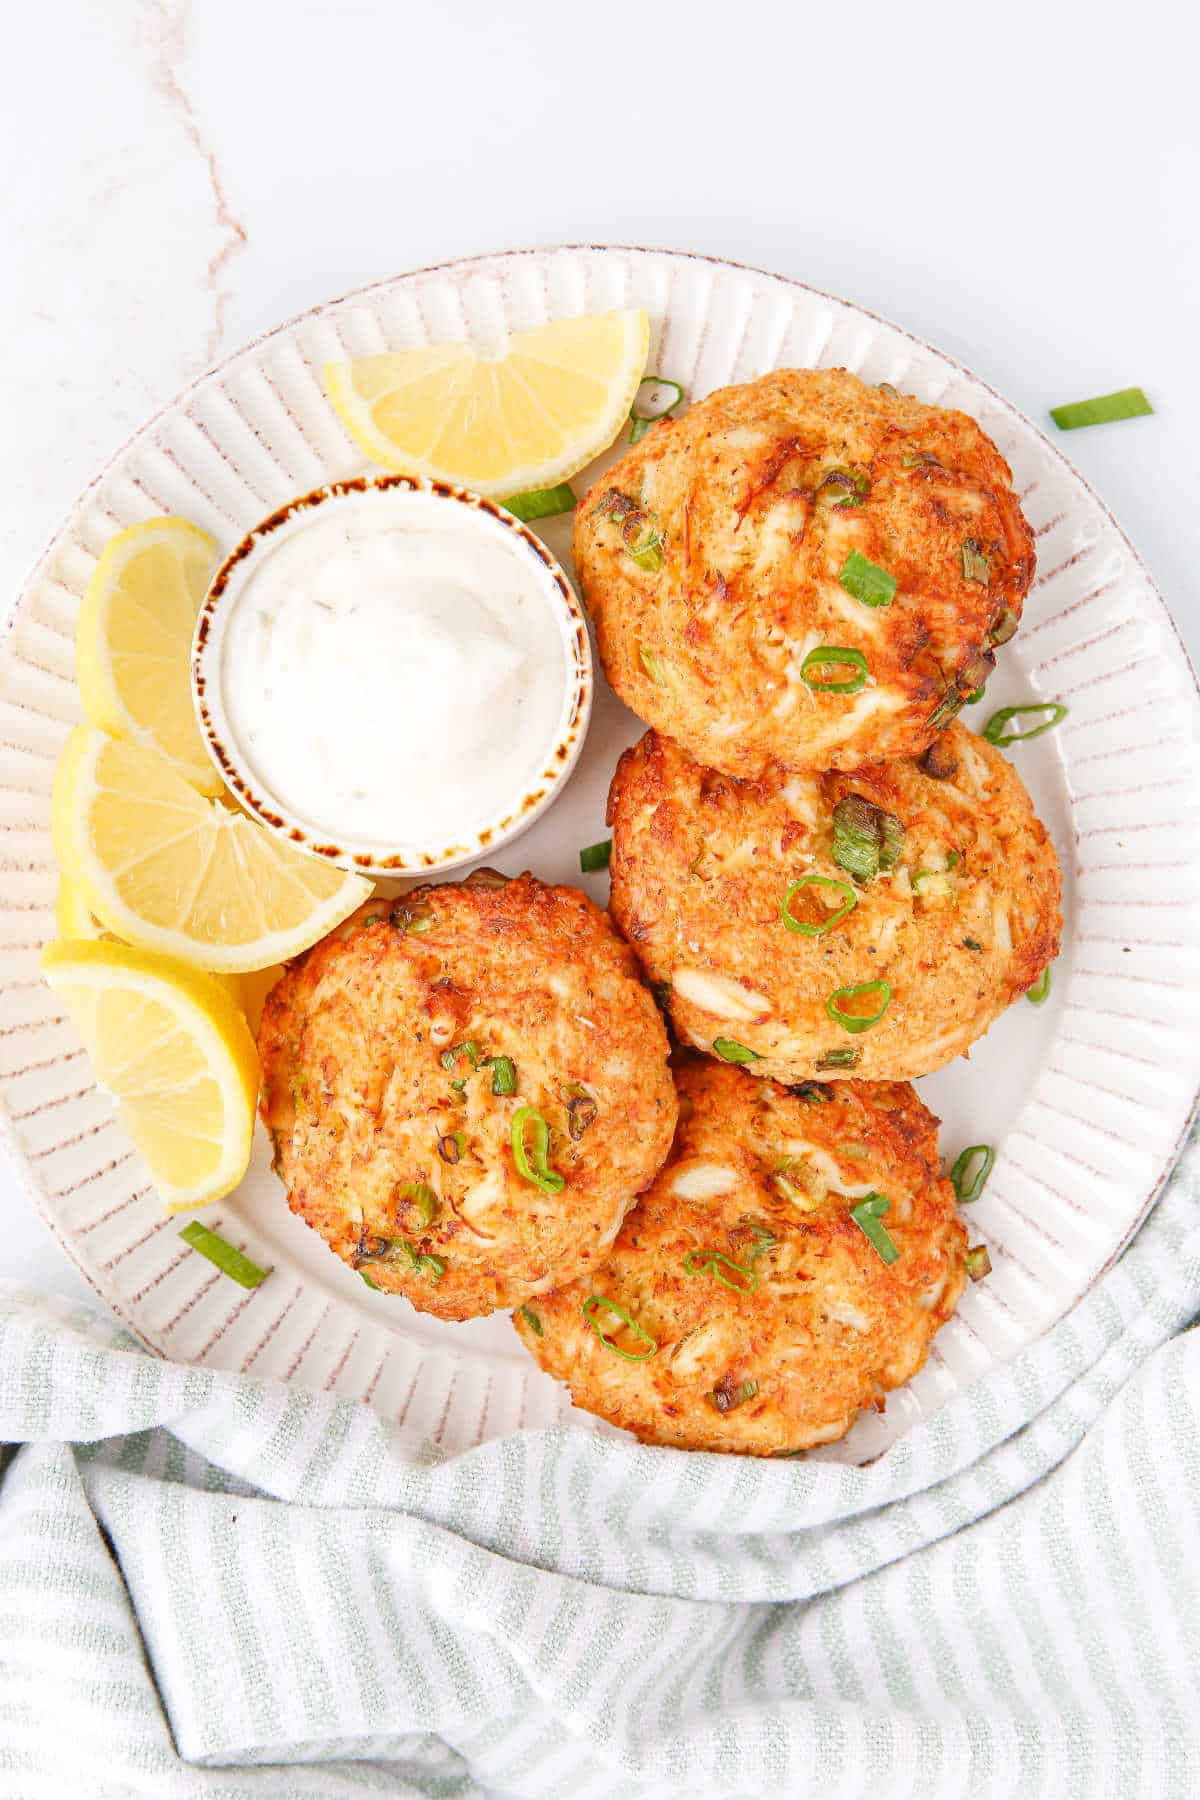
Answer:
[(1019, 186)]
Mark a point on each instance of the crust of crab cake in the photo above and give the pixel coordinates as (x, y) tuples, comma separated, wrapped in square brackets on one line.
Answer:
[(752, 502), (962, 925), (816, 1326), (405, 1166)]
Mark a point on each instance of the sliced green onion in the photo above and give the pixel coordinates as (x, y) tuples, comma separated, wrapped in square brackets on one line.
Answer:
[(761, 1240), (652, 665), (885, 387), (866, 839), (595, 856), (643, 543), (833, 656), (995, 730), (726, 1397), (589, 1309), (1005, 627), (582, 1110), (977, 1262), (838, 1059), (976, 564), (866, 581), (423, 1263), (826, 924), (421, 1199), (842, 488), (661, 990), (223, 1256), (369, 1282), (852, 1021), (868, 1216), (657, 405), (504, 1074), (950, 703), (972, 944), (813, 1093), (535, 1169), (451, 1146), (974, 697), (1040, 990), (542, 503), (533, 1321), (1104, 409), (711, 1262), (729, 1050), (449, 1059), (971, 1170)]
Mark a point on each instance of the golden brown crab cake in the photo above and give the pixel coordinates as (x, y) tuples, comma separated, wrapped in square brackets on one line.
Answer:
[(875, 921), (803, 570), (467, 1088), (792, 1262)]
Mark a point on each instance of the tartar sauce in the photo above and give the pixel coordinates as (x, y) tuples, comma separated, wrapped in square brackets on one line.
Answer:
[(393, 670)]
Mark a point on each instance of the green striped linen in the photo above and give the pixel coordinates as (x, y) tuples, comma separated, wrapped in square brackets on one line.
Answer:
[(223, 1587)]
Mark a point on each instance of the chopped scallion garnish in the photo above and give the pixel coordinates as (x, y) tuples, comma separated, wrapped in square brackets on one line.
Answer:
[(1126, 403), (534, 1168), (419, 1197), (468, 1050), (976, 564), (842, 488), (838, 1059), (652, 665), (595, 857), (1040, 990), (813, 1093), (711, 1262), (590, 1308), (661, 399), (866, 840), (394, 1249), (996, 732), (977, 1262), (971, 1170), (504, 1074), (850, 901), (223, 1255), (834, 656), (868, 1216), (725, 1397), (533, 1321), (643, 543), (856, 1022), (866, 581), (1005, 627), (729, 1050), (582, 1111), (542, 503), (452, 1146)]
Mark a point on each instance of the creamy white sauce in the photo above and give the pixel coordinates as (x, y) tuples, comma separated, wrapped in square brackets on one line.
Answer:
[(394, 672)]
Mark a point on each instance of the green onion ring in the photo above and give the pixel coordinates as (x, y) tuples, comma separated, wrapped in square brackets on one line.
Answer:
[(976, 564), (468, 1048), (848, 1021), (868, 1216), (835, 918), (504, 1074), (421, 1197), (652, 665), (1040, 991), (730, 1051), (223, 1255), (536, 1169), (532, 1320), (969, 1183), (704, 1262), (838, 1059), (832, 656), (541, 503), (640, 422), (977, 1262), (595, 857), (995, 733), (589, 1318)]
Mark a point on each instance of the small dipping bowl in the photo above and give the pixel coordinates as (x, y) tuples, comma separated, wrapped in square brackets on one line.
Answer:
[(361, 510)]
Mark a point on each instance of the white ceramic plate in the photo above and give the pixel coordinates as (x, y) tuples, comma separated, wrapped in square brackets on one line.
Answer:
[(1087, 1098)]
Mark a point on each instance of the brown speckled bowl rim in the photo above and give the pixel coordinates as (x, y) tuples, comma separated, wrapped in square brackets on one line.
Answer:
[(364, 858)]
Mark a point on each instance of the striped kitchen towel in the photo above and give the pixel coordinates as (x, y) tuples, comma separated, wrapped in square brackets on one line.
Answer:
[(223, 1587)]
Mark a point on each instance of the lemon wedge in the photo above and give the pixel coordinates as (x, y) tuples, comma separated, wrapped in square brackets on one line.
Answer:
[(528, 417), (163, 867), (175, 1053), (73, 918), (134, 639)]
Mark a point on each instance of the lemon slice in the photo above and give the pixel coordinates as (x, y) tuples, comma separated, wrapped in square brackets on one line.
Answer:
[(528, 417), (175, 1053), (161, 866), (73, 917), (134, 641), (76, 922)]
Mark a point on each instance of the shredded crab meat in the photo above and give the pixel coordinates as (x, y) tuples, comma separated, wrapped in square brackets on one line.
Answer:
[(719, 995), (704, 1181)]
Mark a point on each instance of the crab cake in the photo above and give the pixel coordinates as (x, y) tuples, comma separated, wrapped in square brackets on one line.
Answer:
[(466, 1089), (877, 921), (804, 570), (791, 1263)]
